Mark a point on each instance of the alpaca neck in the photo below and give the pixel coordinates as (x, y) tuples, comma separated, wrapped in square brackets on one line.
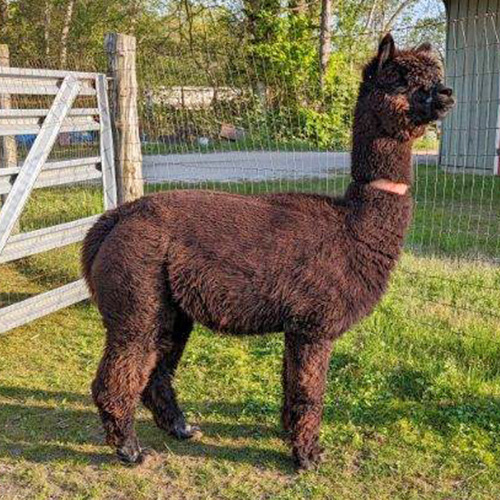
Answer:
[(376, 155), (377, 214), (376, 222), (378, 196)]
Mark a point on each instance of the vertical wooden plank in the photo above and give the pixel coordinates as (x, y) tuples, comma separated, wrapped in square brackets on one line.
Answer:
[(121, 52), (106, 145), (37, 157), (493, 122), (473, 84), (449, 138), (463, 77), (483, 92), (8, 149)]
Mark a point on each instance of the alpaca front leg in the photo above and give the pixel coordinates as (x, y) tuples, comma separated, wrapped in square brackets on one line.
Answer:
[(308, 359)]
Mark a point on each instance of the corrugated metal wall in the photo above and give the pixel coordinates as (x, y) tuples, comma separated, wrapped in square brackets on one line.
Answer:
[(470, 133)]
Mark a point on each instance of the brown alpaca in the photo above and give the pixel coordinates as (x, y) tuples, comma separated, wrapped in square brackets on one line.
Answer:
[(308, 265)]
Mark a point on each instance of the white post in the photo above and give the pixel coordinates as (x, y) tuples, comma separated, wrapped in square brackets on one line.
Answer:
[(8, 150)]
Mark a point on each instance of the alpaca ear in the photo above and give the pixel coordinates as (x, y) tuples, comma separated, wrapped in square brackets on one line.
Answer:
[(386, 50), (425, 47)]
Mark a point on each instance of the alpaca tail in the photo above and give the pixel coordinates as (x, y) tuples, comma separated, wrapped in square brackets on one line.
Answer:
[(93, 241)]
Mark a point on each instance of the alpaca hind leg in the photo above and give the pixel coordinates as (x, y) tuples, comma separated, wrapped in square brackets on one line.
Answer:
[(159, 395), (122, 375), (288, 381), (309, 360)]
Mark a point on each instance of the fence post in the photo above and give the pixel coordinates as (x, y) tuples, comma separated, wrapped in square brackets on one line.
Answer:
[(8, 150), (121, 54)]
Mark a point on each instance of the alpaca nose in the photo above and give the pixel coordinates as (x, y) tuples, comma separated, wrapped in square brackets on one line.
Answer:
[(444, 91)]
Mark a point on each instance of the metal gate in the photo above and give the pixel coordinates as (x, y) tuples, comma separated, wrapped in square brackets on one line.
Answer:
[(16, 183)]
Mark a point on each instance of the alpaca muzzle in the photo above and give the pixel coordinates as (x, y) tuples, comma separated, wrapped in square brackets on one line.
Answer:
[(442, 100), (432, 105)]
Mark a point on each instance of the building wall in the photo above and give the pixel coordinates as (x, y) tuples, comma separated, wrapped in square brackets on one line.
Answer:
[(470, 132)]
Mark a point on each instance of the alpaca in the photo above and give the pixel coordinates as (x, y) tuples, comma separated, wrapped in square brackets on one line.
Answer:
[(304, 264)]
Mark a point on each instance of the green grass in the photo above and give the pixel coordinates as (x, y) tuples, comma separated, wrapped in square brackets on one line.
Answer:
[(413, 401), (428, 142), (256, 143), (456, 214), (248, 143)]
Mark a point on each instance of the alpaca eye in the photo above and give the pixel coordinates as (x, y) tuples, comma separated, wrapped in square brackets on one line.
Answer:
[(401, 86)]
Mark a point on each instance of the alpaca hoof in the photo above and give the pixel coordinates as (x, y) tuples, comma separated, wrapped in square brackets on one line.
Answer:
[(131, 453), (186, 431), (135, 456), (145, 456), (128, 455), (309, 460)]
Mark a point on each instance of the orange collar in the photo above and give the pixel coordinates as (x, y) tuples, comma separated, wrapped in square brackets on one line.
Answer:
[(391, 187)]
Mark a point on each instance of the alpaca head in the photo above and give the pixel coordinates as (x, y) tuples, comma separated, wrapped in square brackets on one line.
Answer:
[(403, 90)]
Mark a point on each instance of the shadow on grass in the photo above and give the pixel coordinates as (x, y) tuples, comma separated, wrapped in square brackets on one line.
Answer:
[(61, 273), (36, 430), (38, 426)]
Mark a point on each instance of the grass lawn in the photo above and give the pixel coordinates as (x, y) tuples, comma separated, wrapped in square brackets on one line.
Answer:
[(257, 143), (413, 401), (222, 145)]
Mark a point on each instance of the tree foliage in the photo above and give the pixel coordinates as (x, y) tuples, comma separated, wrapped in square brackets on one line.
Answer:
[(290, 87)]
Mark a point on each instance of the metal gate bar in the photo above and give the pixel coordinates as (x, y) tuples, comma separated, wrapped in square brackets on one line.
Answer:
[(42, 304), (37, 157), (18, 182)]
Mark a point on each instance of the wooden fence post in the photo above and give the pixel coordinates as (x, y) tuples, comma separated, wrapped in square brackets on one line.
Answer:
[(8, 149), (121, 53)]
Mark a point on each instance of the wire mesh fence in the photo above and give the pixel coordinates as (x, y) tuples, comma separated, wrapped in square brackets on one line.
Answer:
[(221, 110), (255, 137)]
